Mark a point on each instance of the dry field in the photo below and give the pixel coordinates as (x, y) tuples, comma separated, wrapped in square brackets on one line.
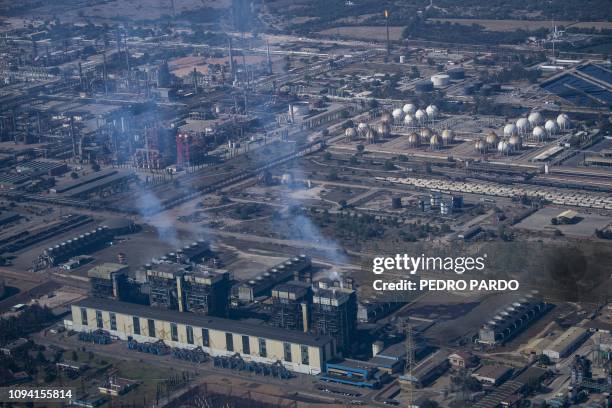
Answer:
[(511, 25), (365, 32)]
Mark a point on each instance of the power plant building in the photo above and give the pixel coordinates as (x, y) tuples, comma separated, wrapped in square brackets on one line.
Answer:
[(296, 351), (108, 280), (291, 306), (334, 313)]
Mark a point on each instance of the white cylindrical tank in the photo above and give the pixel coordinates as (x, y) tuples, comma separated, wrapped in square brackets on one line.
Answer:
[(563, 121), (434, 142), (413, 140), (481, 146), (420, 115), (539, 133), (503, 147), (535, 119), (440, 80), (398, 115), (432, 111), (448, 136), (522, 124), (409, 120), (425, 135), (409, 108), (510, 129), (516, 142), (551, 127)]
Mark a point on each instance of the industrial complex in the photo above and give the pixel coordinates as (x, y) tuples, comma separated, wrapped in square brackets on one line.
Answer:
[(194, 196)]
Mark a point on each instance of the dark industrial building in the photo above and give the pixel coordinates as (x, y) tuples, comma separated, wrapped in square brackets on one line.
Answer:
[(334, 313), (108, 280), (291, 305), (206, 292)]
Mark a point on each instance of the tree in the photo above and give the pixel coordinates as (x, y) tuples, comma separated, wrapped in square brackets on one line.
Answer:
[(74, 175), (360, 148), (389, 165), (342, 203), (429, 404)]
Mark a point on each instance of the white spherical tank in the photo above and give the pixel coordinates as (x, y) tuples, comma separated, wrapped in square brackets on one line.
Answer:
[(398, 114), (409, 108), (564, 121), (425, 135), (551, 127), (362, 128), (420, 115), (510, 129), (535, 119), (409, 120), (522, 124), (440, 80), (432, 111), (539, 133), (480, 146), (491, 139)]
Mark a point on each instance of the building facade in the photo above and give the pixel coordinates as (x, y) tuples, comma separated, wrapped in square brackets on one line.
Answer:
[(297, 351)]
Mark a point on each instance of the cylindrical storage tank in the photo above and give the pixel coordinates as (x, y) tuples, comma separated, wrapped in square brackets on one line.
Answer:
[(440, 80), (398, 115), (413, 140), (456, 74), (384, 130), (481, 146), (386, 117), (409, 119), (551, 127), (535, 119), (370, 135), (516, 142), (448, 136), (425, 135), (510, 129), (432, 111), (564, 121), (420, 115), (350, 134), (434, 142), (539, 133), (361, 129), (409, 108), (503, 147), (491, 139), (424, 86), (522, 125)]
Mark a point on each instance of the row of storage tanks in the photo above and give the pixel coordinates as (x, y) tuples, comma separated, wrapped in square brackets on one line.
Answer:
[(533, 127)]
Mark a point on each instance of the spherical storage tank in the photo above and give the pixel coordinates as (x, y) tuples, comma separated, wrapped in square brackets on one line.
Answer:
[(510, 129), (425, 135), (522, 124), (535, 118), (362, 128), (539, 133), (432, 111), (409, 120), (420, 115), (409, 108), (551, 127), (563, 121), (398, 114), (370, 135), (440, 80)]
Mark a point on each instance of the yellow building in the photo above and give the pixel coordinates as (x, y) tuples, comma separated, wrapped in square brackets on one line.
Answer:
[(297, 351)]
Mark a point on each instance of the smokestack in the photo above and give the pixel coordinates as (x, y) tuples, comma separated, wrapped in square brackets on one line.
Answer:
[(195, 81), (80, 76), (173, 8), (231, 60), (104, 76), (387, 23), (305, 317), (269, 59)]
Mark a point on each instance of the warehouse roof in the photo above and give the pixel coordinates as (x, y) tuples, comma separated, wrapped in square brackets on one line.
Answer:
[(215, 323), (567, 339)]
